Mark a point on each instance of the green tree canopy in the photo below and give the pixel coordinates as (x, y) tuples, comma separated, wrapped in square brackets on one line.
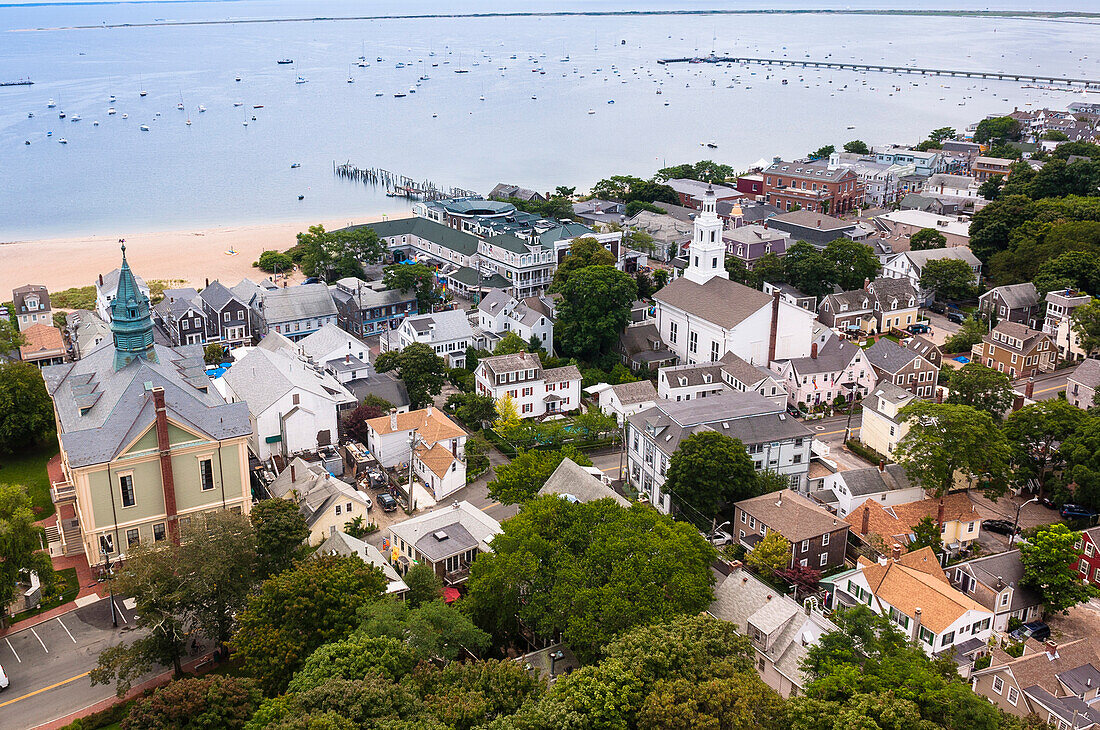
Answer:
[(1035, 431), (418, 277), (424, 585), (1081, 452), (422, 371), (26, 411), (949, 278), (707, 471), (274, 262), (770, 555), (1048, 560), (472, 409), (822, 153), (510, 344), (332, 255), (212, 701), (299, 610), (943, 133), (703, 171), (21, 542), (970, 333), (355, 423), (521, 479), (927, 534), (850, 262), (857, 146), (807, 269), (11, 339), (997, 128), (583, 252), (983, 388), (945, 440), (220, 552), (594, 310), (927, 238), (590, 571), (1086, 324), (281, 532)]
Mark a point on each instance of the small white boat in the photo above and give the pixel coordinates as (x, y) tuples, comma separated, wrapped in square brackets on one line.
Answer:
[(237, 79), (111, 111), (145, 128), (399, 95), (143, 92), (481, 98), (351, 80), (76, 117), (63, 141), (534, 97), (51, 104), (238, 103), (300, 80), (95, 123), (379, 93), (111, 98), (30, 115), (295, 165), (591, 111), (202, 108), (462, 70), (125, 116), (188, 122), (245, 123)]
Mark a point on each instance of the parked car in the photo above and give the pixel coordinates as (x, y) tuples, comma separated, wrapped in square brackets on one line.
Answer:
[(1001, 527), (312, 280), (387, 502), (1032, 630), (956, 316), (1048, 503), (918, 329), (1076, 512), (3, 679), (720, 538), (937, 307)]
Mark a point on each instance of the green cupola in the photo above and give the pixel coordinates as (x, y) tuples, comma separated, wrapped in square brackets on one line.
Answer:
[(131, 321)]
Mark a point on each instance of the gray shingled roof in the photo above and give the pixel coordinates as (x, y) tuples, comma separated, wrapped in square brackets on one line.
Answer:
[(264, 375), (217, 295), (792, 515), (572, 480), (832, 357), (744, 371), (720, 301), (305, 301), (921, 258), (1087, 374), (889, 356), (498, 364), (559, 375), (120, 408), (450, 325), (861, 482), (177, 301), (1016, 296), (1005, 566), (637, 392)]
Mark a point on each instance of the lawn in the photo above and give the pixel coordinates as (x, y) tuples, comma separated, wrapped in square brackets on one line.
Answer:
[(29, 469)]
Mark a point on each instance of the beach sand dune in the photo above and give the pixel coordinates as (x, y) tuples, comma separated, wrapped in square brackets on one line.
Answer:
[(190, 256)]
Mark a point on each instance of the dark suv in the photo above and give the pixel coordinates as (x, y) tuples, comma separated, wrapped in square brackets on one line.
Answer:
[(386, 502), (956, 316)]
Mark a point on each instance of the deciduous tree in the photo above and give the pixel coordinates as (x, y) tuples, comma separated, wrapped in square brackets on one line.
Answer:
[(299, 610), (355, 423), (583, 252), (415, 276), (857, 146), (424, 585), (946, 440), (422, 371), (594, 310), (770, 555), (1035, 431), (707, 471), (11, 339), (983, 388), (1086, 324), (26, 411), (213, 701), (948, 278), (281, 532), (219, 551), (927, 238), (926, 533), (521, 479), (1048, 560), (510, 344), (332, 255), (850, 262), (21, 542)]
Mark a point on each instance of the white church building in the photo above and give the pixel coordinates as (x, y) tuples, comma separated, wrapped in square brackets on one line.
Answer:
[(702, 315)]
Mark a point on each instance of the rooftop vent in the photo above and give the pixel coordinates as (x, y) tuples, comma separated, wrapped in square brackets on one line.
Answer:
[(440, 535)]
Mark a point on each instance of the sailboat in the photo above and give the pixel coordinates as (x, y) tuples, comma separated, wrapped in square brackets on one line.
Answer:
[(180, 104), (141, 88), (351, 79)]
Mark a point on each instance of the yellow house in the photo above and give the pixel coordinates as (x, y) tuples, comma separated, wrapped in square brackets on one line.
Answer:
[(146, 441), (326, 502), (882, 428), (958, 519)]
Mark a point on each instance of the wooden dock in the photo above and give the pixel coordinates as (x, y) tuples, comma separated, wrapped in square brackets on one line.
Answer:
[(396, 185), (20, 82), (787, 62)]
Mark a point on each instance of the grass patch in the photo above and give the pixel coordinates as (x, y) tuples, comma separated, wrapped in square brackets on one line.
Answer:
[(79, 297), (29, 469), (65, 589)]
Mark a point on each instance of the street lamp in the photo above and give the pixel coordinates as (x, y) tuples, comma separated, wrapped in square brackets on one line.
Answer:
[(110, 587), (1016, 522)]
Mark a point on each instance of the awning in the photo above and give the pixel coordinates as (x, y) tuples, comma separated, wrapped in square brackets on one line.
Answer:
[(450, 595)]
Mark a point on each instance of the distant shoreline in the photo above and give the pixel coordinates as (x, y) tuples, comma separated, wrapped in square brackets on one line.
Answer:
[(192, 257), (1010, 14)]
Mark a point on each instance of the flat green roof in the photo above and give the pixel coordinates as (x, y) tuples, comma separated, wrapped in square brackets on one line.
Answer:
[(468, 277), (455, 240)]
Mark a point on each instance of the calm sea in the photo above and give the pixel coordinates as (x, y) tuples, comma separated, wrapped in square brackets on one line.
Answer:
[(544, 121)]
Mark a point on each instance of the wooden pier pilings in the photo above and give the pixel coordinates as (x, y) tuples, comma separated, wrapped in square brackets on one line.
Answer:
[(397, 185)]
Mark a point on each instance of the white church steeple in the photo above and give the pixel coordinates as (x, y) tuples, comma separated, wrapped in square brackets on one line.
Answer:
[(707, 253)]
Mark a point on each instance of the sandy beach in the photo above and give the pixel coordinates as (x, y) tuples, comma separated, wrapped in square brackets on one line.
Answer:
[(190, 256)]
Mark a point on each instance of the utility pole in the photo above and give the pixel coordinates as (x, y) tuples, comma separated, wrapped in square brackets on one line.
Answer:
[(110, 588)]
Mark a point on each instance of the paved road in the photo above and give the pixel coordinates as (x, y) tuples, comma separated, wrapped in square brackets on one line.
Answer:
[(1048, 385), (48, 664)]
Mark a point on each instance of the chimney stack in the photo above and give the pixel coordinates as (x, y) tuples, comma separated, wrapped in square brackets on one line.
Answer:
[(939, 513), (1052, 649), (1029, 389), (428, 410), (167, 474), (393, 419), (882, 465), (101, 279), (916, 623), (774, 329), (866, 283), (813, 351), (939, 395), (819, 223), (293, 473), (897, 551), (866, 526)]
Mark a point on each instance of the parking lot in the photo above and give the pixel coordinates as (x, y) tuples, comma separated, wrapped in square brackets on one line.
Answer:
[(51, 661)]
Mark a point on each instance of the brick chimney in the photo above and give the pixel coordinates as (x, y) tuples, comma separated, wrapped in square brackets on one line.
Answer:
[(897, 551), (939, 513), (882, 465), (866, 283), (866, 526), (813, 351), (1052, 649), (939, 395), (1029, 389), (774, 330), (819, 223), (167, 475), (916, 623), (101, 279), (293, 473), (393, 419)]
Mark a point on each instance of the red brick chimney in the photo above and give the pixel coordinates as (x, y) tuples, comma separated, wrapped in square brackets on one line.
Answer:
[(882, 464), (939, 513), (813, 351), (866, 526), (167, 476), (293, 473), (939, 395), (897, 551), (1029, 389)]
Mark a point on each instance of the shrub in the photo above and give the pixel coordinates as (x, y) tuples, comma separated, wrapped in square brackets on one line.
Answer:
[(272, 261), (210, 701)]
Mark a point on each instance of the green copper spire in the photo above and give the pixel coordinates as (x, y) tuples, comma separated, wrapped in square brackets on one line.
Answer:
[(131, 322)]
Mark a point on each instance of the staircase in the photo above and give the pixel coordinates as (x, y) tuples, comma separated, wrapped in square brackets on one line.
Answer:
[(71, 537)]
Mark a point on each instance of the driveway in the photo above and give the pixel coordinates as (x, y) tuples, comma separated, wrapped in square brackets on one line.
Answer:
[(941, 327), (48, 664)]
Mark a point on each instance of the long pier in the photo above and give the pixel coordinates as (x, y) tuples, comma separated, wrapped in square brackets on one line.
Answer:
[(397, 186), (790, 62), (21, 82)]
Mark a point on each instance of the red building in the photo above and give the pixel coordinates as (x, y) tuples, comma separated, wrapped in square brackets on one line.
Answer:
[(751, 184), (1088, 563), (813, 186)]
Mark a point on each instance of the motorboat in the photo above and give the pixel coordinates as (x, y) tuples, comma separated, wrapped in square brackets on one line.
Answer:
[(61, 115), (63, 141), (300, 80), (399, 95), (295, 165), (30, 115), (379, 93), (111, 111), (237, 79), (591, 111), (285, 61), (201, 108), (51, 104), (145, 128)]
